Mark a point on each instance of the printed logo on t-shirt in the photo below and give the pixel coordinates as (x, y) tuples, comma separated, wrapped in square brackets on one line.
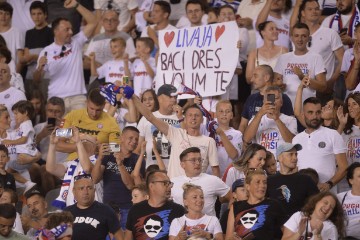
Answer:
[(353, 149), (154, 226), (351, 208), (285, 192), (322, 144), (87, 220), (269, 138), (304, 67), (249, 220)]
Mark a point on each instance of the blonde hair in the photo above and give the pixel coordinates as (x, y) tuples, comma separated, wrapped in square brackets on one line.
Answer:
[(187, 187)]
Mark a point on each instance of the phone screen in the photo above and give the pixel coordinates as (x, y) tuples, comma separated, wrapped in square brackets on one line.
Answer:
[(51, 121)]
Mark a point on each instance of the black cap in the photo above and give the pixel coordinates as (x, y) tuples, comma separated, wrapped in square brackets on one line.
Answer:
[(237, 183), (33, 191), (168, 90)]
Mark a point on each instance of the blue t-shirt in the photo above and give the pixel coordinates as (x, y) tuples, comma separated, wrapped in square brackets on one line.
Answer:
[(114, 188)]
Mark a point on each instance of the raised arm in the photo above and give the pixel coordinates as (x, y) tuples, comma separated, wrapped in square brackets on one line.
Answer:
[(98, 169), (352, 78), (263, 15), (52, 167), (229, 147), (298, 104), (253, 126), (124, 174), (136, 172), (159, 124)]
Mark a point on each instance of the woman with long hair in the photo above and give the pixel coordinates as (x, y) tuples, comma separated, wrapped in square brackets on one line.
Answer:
[(322, 217), (258, 217), (36, 97), (195, 224), (267, 54), (253, 158)]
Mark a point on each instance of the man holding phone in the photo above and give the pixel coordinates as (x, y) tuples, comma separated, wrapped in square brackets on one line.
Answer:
[(269, 127), (115, 169)]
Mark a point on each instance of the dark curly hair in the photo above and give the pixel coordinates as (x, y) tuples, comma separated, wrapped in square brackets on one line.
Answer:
[(55, 219), (337, 215)]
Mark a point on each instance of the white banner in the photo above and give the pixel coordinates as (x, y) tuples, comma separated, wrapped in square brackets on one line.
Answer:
[(202, 58)]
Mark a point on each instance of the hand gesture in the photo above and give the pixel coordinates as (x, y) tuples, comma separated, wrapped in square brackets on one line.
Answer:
[(245, 22), (42, 61), (92, 56), (154, 148), (126, 57), (302, 224), (305, 82), (119, 158), (199, 233), (178, 110), (103, 150), (198, 100), (346, 39), (266, 108), (53, 138), (70, 3), (317, 225), (151, 33), (143, 148), (182, 235), (343, 118), (76, 136), (298, 72)]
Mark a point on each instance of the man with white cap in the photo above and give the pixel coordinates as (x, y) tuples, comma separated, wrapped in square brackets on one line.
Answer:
[(287, 186)]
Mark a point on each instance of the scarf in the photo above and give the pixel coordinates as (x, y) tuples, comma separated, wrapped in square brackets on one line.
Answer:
[(109, 92), (55, 233), (354, 19), (211, 125), (65, 195)]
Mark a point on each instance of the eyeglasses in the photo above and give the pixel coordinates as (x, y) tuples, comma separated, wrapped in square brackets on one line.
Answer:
[(62, 53), (248, 218), (194, 161), (82, 176), (166, 183)]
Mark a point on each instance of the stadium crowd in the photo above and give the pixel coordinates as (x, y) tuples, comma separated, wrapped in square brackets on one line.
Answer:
[(92, 146)]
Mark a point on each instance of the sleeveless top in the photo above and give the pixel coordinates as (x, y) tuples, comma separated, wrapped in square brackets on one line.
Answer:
[(260, 60)]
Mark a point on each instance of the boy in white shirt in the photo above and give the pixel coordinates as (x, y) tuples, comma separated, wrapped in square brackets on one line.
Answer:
[(114, 70), (144, 67)]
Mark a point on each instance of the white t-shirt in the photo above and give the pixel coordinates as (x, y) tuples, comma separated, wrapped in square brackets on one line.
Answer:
[(44, 145), (351, 207), (211, 185), (208, 223), (318, 151), (235, 138), (324, 42), (15, 40), (345, 66), (124, 7), (328, 232), (352, 143), (9, 97), (283, 26), (140, 76), (147, 130), (26, 129), (113, 70), (344, 19), (180, 141), (232, 175), (65, 73), (309, 63), (268, 133), (100, 45), (145, 6)]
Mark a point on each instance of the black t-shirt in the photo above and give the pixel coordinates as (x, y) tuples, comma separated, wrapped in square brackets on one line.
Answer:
[(39, 38), (114, 188), (291, 190), (263, 220), (94, 222), (7, 181), (146, 222), (255, 102)]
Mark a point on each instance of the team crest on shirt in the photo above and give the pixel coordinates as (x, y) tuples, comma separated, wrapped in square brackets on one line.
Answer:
[(322, 144), (285, 191), (7, 96), (100, 126), (153, 226)]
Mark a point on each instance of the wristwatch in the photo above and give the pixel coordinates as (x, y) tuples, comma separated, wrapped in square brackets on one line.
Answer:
[(331, 184)]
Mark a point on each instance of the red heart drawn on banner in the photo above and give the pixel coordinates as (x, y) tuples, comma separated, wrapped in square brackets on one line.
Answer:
[(168, 38), (219, 31)]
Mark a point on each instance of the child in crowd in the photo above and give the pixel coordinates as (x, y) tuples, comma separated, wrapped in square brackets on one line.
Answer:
[(114, 70), (311, 173), (24, 140), (270, 163), (144, 67), (239, 194), (139, 193), (7, 180)]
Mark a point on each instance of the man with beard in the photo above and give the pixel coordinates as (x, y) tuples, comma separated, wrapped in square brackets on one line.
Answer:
[(344, 20), (323, 149), (115, 170), (36, 216)]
